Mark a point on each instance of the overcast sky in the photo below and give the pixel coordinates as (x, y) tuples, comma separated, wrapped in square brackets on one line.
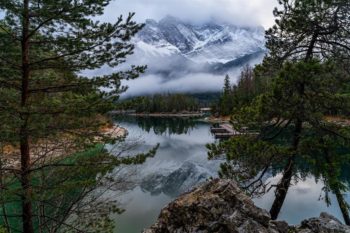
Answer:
[(240, 12)]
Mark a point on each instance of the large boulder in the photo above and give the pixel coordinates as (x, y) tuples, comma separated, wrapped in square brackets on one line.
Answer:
[(219, 206), (324, 224)]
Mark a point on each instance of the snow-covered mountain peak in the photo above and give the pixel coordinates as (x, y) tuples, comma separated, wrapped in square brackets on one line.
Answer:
[(201, 43), (169, 19)]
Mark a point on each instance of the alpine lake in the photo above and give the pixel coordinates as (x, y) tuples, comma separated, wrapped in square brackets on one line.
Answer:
[(181, 163)]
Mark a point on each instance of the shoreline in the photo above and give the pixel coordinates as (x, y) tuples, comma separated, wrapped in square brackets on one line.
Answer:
[(46, 150), (201, 117), (166, 114), (216, 120), (116, 131)]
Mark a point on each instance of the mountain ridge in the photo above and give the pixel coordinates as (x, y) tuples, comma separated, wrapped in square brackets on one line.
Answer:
[(208, 43), (192, 57)]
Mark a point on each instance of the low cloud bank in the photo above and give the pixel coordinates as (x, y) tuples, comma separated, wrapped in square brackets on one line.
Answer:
[(192, 83)]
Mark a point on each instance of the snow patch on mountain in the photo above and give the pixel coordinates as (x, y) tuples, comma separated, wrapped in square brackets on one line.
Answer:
[(162, 49)]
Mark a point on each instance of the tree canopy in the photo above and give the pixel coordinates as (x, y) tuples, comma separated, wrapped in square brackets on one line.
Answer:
[(53, 116), (305, 75)]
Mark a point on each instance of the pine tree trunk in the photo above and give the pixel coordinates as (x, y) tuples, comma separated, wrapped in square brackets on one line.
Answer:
[(342, 205), (282, 189), (283, 186), (26, 185), (27, 212)]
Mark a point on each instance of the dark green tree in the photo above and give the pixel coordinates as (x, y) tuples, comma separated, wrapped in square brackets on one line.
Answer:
[(305, 81), (235, 96), (52, 116), (306, 30), (225, 99), (274, 115), (246, 88)]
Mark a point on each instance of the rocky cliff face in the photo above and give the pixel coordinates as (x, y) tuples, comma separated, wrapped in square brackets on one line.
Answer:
[(220, 206)]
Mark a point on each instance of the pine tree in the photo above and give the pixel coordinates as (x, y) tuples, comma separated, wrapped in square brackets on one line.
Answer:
[(306, 78), (52, 115), (233, 97), (225, 99), (306, 30)]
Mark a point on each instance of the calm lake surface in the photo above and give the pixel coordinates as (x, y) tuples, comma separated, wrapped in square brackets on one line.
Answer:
[(180, 164)]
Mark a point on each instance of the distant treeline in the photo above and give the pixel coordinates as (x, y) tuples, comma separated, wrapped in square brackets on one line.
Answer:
[(161, 103), (206, 99)]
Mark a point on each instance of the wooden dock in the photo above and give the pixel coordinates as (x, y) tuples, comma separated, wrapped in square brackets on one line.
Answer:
[(225, 131)]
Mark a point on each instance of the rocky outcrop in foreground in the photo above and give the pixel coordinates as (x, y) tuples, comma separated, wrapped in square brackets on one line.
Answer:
[(220, 206)]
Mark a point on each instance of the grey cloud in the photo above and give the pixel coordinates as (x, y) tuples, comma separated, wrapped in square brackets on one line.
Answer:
[(240, 12)]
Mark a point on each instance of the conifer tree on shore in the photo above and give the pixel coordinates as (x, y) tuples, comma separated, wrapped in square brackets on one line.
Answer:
[(309, 48), (52, 116)]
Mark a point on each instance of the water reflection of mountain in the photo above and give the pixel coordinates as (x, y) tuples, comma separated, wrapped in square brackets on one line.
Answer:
[(177, 182), (181, 160), (161, 125), (181, 163)]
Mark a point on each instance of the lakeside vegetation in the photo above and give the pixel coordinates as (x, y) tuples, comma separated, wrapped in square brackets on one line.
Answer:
[(234, 96), (252, 83), (52, 179), (53, 191), (160, 103)]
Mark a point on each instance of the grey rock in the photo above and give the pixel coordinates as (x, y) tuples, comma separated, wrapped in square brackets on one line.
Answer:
[(219, 206), (326, 223)]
